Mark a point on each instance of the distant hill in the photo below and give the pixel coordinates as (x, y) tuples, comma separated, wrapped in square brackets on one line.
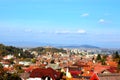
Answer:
[(7, 50), (79, 46), (31, 44), (43, 50)]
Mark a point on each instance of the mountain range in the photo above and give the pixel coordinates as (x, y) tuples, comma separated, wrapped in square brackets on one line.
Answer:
[(30, 44), (79, 46)]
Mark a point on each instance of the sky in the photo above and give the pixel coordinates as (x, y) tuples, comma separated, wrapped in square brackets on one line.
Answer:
[(60, 22)]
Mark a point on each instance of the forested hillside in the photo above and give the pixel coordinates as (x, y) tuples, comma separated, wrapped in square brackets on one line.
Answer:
[(7, 50), (43, 50)]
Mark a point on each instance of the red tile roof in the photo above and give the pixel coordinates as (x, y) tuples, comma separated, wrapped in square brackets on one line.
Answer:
[(94, 77), (43, 72), (75, 72), (99, 69)]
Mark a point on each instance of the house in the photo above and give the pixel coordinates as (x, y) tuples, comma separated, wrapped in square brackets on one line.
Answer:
[(25, 63), (45, 72), (8, 57)]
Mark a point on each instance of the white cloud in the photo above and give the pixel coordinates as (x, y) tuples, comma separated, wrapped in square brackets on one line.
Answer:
[(71, 32), (101, 21), (62, 32), (85, 14), (81, 31)]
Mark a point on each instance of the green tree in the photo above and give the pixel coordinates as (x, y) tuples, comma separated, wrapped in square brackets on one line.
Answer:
[(14, 76), (98, 57), (116, 56), (18, 68), (8, 76), (118, 67), (1, 69), (33, 60), (11, 61), (103, 61)]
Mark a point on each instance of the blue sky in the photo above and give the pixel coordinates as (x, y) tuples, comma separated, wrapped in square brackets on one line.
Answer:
[(64, 22)]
